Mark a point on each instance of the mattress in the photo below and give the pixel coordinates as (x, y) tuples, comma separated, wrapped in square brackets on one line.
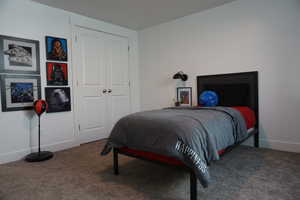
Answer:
[(247, 113)]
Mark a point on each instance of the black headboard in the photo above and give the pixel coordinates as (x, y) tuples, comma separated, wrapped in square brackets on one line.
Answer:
[(236, 89)]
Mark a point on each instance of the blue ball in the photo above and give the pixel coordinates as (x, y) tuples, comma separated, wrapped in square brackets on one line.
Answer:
[(209, 98)]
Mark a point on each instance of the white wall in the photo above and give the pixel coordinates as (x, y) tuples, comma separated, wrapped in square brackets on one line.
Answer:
[(27, 19), (241, 36)]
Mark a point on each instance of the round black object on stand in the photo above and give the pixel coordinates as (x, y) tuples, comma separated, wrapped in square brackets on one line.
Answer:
[(40, 106)]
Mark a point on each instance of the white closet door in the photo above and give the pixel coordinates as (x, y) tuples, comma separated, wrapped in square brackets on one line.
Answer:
[(117, 53), (91, 86)]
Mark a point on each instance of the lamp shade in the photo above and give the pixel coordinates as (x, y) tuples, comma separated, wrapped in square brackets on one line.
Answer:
[(40, 106)]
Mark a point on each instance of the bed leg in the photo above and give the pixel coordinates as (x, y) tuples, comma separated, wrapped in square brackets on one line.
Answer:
[(256, 140), (116, 162), (193, 186)]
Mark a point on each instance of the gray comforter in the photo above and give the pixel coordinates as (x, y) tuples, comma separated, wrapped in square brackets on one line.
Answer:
[(191, 135)]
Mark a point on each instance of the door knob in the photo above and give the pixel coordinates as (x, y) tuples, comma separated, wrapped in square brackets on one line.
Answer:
[(104, 91), (109, 90)]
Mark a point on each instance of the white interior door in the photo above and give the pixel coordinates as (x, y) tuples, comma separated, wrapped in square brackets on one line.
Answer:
[(117, 53), (91, 73), (102, 91)]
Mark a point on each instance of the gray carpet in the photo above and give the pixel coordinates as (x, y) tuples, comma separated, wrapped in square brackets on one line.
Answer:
[(81, 174)]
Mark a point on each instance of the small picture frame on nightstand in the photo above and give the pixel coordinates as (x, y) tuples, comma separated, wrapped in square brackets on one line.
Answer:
[(184, 96)]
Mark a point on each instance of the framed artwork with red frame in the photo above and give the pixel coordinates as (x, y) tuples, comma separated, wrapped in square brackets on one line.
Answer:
[(57, 73)]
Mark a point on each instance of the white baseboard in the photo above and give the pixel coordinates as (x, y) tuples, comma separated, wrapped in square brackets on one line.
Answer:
[(276, 145), (57, 146), (13, 156), (18, 155), (280, 145), (90, 138)]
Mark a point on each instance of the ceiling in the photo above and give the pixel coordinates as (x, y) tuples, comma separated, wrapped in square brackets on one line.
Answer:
[(134, 14)]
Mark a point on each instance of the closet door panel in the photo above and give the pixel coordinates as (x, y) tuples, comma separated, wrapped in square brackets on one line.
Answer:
[(92, 81), (120, 107), (118, 70), (93, 68), (119, 62)]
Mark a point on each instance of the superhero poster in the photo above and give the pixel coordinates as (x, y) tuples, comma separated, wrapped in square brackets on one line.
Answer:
[(57, 73), (56, 49)]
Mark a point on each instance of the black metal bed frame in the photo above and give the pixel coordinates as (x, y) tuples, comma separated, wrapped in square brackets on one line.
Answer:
[(225, 84)]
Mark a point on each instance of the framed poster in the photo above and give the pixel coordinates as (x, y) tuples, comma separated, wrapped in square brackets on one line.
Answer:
[(184, 96), (57, 73), (18, 92), (58, 99), (56, 49), (19, 56)]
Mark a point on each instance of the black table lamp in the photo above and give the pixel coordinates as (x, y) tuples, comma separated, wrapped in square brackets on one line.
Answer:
[(40, 106)]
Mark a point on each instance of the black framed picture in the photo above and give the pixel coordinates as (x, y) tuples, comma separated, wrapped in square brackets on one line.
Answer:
[(184, 96), (58, 99), (19, 56), (56, 49), (57, 73), (18, 92)]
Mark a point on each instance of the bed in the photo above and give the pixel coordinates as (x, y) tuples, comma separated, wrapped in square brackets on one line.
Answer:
[(238, 113)]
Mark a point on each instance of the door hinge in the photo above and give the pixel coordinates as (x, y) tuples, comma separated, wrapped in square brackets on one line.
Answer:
[(128, 48), (79, 127), (75, 38), (129, 83)]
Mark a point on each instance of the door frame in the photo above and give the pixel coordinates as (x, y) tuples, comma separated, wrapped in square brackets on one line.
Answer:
[(75, 28)]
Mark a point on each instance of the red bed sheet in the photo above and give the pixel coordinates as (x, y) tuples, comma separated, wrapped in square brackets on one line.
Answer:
[(247, 113)]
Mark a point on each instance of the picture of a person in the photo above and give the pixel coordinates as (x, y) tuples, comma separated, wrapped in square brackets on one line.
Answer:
[(184, 96), (57, 51), (57, 74)]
